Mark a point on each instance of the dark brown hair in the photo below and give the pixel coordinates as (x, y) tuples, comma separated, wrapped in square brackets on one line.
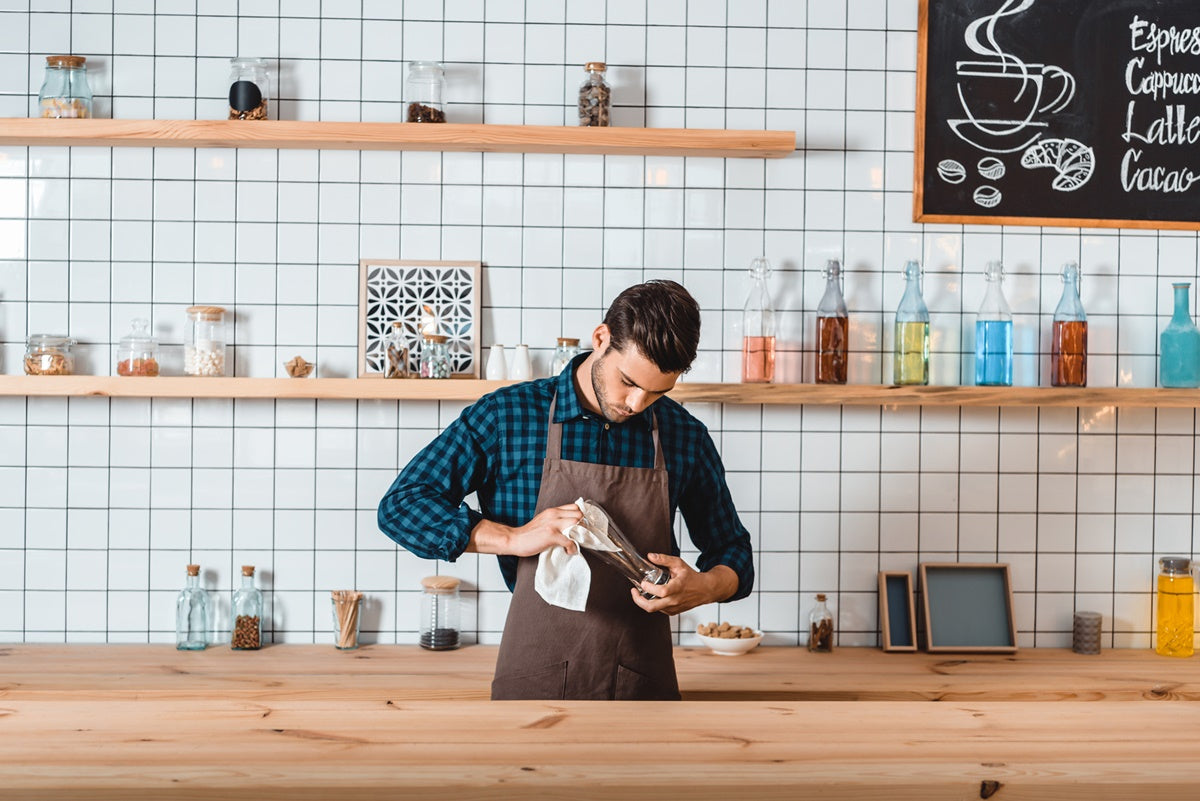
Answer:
[(661, 319)]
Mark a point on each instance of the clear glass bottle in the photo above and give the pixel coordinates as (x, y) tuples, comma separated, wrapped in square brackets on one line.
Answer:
[(833, 328), (396, 352), (424, 90), (1068, 337), (247, 613), (192, 614), (758, 327), (249, 89), (567, 348), (595, 97), (820, 627), (440, 613), (204, 341), (49, 354), (65, 92), (994, 333), (435, 356), (137, 353), (1176, 614), (1179, 345), (910, 362)]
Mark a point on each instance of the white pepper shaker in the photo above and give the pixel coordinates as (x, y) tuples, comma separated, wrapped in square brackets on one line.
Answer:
[(520, 369), (497, 370)]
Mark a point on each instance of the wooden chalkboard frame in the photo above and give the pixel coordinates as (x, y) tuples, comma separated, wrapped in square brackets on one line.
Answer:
[(897, 616), (922, 216), (952, 592)]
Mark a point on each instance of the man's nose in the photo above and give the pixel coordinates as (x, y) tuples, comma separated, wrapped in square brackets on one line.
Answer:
[(637, 400)]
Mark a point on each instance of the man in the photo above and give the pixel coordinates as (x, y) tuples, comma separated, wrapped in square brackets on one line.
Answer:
[(601, 430)]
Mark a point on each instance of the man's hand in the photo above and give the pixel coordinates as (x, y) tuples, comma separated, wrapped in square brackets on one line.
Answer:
[(686, 589), (541, 533)]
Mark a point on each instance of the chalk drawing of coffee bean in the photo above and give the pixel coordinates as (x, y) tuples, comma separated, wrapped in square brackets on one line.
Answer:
[(991, 168), (951, 171), (987, 196)]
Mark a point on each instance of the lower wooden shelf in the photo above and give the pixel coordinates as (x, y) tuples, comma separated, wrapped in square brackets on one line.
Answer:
[(685, 392)]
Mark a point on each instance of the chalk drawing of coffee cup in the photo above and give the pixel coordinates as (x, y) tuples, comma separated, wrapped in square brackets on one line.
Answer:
[(1004, 101)]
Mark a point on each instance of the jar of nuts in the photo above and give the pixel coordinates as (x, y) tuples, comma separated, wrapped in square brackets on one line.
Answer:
[(204, 341), (247, 611), (249, 88), (137, 355), (594, 96), (49, 354), (435, 356), (65, 92), (423, 92)]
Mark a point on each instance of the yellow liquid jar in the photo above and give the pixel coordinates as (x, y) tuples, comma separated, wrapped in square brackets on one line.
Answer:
[(1176, 607)]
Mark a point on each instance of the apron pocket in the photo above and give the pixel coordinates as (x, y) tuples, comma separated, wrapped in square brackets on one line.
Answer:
[(634, 686), (543, 684)]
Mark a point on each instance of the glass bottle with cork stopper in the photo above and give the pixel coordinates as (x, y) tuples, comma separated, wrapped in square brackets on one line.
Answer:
[(1068, 338), (192, 614), (247, 613), (758, 327), (1176, 614), (65, 93), (820, 627), (595, 97), (397, 352), (440, 613), (833, 328)]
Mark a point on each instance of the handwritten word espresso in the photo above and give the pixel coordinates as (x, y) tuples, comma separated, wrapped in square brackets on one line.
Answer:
[(1155, 122)]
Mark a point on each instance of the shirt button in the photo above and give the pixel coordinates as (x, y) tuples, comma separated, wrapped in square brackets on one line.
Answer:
[(606, 426)]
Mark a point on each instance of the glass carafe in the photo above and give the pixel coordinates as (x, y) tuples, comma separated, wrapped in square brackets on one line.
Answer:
[(1068, 338), (994, 333), (758, 327), (910, 363), (626, 559), (192, 614), (247, 613), (1179, 345), (833, 328), (1176, 615)]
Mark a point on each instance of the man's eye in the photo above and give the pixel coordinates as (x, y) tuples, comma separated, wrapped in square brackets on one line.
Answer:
[(626, 382)]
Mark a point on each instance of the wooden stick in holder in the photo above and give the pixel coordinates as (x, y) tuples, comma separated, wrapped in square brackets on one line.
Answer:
[(346, 604)]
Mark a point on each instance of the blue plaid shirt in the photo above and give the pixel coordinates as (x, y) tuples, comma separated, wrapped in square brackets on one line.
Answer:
[(496, 448)]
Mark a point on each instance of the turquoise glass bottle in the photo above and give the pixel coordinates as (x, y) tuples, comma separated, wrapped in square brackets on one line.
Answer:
[(910, 362), (1179, 345), (994, 333)]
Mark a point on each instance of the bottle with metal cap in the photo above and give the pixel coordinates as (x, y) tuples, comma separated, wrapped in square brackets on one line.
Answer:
[(1176, 614)]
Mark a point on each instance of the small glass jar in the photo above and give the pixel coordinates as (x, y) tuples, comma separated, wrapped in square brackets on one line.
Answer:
[(137, 355), (65, 92), (440, 613), (594, 96), (1175, 613), (395, 353), (435, 356), (566, 350), (192, 611), (423, 92), (249, 89), (820, 627), (204, 341), (347, 611), (247, 608), (49, 354)]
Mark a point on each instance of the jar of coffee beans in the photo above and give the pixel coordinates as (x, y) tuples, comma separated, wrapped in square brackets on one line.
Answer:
[(423, 92), (247, 609), (594, 96), (439, 613)]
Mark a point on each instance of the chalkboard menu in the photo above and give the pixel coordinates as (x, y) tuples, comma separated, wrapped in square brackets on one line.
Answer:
[(1059, 112)]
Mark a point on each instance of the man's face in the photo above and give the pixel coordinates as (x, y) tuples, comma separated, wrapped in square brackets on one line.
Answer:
[(626, 383)]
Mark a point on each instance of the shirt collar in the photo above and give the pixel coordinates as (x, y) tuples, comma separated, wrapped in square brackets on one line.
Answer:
[(570, 407)]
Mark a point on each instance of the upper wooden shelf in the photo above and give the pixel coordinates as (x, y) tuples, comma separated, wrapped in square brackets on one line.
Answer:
[(685, 392), (449, 137)]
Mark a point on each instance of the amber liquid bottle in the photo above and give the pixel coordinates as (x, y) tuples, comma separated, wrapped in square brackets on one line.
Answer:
[(758, 328), (833, 328), (1068, 337)]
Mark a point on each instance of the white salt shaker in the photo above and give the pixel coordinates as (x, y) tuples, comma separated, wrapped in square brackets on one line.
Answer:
[(520, 369), (496, 370)]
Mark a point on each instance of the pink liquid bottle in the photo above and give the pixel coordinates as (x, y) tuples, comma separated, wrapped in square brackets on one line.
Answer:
[(758, 328)]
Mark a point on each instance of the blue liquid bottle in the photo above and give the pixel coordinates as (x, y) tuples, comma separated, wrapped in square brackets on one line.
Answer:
[(1179, 348), (994, 333)]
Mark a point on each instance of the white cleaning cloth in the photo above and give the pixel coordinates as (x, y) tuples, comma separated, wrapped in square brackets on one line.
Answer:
[(563, 579)]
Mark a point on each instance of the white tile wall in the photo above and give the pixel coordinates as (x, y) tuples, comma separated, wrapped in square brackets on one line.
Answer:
[(102, 502)]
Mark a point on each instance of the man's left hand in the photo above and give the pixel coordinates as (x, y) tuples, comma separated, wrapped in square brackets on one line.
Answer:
[(687, 588)]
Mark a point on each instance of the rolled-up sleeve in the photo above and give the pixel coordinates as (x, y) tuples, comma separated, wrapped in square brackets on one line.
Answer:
[(424, 510), (712, 520)]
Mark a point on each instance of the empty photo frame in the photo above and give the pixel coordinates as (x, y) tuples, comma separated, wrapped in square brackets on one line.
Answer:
[(897, 616), (968, 607)]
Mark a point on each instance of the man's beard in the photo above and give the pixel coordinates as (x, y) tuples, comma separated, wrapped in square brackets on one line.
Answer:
[(601, 396)]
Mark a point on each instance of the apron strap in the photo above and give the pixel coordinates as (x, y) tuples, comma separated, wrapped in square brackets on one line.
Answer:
[(554, 437)]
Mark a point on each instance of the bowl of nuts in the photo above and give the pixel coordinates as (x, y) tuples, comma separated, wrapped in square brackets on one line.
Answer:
[(728, 640)]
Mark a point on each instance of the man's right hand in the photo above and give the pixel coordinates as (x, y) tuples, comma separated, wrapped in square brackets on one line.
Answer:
[(541, 533)]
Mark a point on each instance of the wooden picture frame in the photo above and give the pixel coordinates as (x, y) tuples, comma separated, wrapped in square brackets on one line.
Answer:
[(897, 612), (425, 297), (968, 608)]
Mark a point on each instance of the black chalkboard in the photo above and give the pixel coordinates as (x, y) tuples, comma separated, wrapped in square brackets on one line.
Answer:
[(897, 623), (968, 607), (1059, 112)]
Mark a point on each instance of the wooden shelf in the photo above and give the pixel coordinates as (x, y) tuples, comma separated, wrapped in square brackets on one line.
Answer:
[(685, 392), (447, 137)]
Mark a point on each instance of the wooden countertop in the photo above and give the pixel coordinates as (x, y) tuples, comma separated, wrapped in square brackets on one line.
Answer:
[(309, 722)]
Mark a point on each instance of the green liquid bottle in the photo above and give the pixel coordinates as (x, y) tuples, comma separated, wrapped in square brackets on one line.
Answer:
[(910, 363)]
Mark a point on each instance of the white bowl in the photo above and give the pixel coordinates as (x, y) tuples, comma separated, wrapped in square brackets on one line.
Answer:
[(732, 647)]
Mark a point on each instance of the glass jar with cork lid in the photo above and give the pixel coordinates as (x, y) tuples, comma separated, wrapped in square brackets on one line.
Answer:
[(440, 613), (247, 613), (594, 96), (65, 93), (435, 356), (204, 341)]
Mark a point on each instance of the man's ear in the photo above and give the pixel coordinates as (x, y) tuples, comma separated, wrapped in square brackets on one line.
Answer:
[(601, 339)]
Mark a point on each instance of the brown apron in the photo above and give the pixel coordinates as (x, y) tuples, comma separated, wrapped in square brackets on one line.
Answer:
[(613, 650)]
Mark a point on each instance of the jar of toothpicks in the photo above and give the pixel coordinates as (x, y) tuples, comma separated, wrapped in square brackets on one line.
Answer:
[(347, 604)]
